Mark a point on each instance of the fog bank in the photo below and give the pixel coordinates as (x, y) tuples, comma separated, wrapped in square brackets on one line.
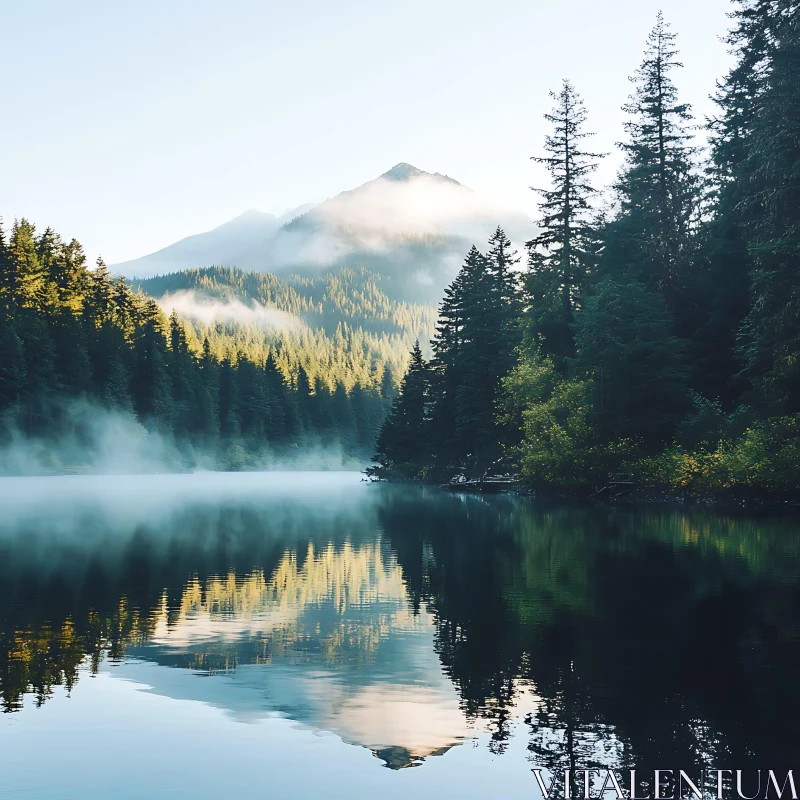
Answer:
[(92, 439)]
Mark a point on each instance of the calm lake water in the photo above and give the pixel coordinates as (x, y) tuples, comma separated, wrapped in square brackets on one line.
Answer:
[(308, 635)]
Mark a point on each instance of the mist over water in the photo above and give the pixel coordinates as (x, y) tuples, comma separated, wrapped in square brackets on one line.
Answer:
[(92, 439), (128, 501), (244, 627)]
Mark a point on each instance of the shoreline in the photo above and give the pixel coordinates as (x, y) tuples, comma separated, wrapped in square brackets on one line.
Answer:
[(640, 496)]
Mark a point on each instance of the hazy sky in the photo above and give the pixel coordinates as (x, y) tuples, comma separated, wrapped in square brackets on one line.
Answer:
[(131, 125)]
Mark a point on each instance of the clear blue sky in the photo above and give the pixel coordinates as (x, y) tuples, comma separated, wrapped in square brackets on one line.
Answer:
[(131, 125)]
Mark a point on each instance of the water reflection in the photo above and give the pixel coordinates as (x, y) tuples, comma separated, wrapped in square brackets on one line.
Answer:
[(405, 620)]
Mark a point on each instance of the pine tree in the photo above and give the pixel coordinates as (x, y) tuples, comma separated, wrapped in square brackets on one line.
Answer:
[(70, 276), (26, 277), (6, 275), (253, 403), (73, 365), (323, 420), (281, 416), (721, 290), (445, 371), (208, 377), (368, 411), (657, 190), (626, 345), (561, 257), (150, 384), (401, 450), (388, 389), (12, 364), (771, 335), (481, 362), (344, 419), (506, 305), (501, 265), (41, 384), (181, 369), (111, 359), (49, 251), (100, 294)]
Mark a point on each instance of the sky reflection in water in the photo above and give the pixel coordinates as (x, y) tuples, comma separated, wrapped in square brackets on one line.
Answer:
[(207, 634)]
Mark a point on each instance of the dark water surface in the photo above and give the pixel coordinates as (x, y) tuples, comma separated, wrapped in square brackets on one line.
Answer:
[(293, 635)]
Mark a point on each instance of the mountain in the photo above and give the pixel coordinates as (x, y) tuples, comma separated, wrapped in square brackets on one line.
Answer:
[(411, 227), (218, 246)]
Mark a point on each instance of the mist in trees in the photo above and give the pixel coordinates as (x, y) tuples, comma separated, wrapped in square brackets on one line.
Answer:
[(93, 375), (651, 328)]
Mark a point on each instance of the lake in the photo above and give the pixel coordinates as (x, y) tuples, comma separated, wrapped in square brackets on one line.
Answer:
[(310, 635)]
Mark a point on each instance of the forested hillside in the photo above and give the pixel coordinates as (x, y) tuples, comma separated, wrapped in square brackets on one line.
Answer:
[(660, 335), (340, 327), (78, 346)]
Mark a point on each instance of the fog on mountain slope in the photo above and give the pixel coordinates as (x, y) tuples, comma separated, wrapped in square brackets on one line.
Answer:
[(341, 326), (410, 226), (202, 308)]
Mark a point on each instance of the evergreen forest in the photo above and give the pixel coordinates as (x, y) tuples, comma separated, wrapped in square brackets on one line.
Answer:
[(649, 329), (652, 328), (85, 357)]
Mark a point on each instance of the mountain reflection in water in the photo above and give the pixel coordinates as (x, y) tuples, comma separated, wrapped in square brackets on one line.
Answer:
[(406, 620)]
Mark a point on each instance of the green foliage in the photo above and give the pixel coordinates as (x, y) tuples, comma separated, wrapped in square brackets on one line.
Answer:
[(657, 189), (771, 335), (241, 399), (443, 421), (663, 339), (625, 342), (562, 256), (341, 327), (764, 458), (561, 444), (402, 443)]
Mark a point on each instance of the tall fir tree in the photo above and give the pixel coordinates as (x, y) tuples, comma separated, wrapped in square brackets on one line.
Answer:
[(771, 332), (401, 450), (658, 189), (229, 428), (6, 276), (305, 400), (445, 368), (561, 257), (505, 300), (26, 276), (721, 289)]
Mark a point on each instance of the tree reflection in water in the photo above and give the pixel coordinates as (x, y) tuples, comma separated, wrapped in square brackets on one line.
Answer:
[(406, 619)]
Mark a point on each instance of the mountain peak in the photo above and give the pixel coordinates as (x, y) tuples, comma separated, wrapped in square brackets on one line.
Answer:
[(402, 172)]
